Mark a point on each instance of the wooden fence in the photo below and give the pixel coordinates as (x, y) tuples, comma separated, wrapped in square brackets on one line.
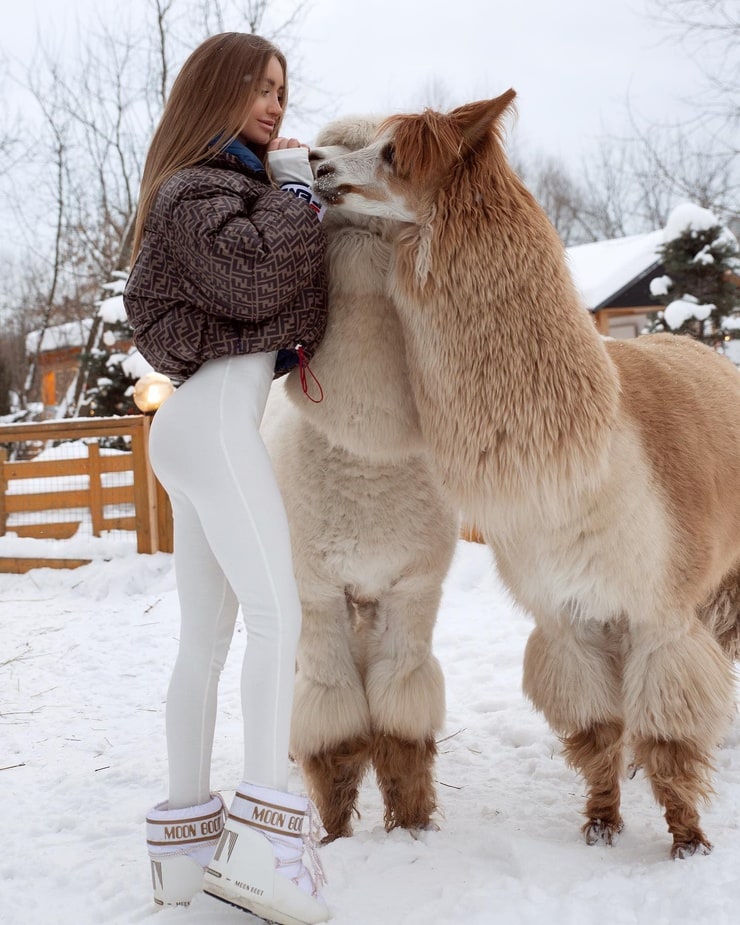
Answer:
[(152, 515)]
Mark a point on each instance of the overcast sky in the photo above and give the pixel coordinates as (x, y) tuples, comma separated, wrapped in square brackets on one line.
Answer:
[(577, 65)]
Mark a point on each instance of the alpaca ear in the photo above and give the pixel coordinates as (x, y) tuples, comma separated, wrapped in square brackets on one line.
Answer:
[(477, 120)]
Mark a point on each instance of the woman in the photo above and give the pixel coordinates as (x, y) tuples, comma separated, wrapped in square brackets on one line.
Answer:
[(226, 291)]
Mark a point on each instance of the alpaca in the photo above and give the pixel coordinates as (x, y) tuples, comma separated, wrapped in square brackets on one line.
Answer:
[(372, 536), (599, 472)]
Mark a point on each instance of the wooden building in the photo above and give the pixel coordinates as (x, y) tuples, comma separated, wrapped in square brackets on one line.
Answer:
[(58, 362), (614, 279)]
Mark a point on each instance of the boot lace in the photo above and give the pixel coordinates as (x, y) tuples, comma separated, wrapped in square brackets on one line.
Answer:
[(310, 842)]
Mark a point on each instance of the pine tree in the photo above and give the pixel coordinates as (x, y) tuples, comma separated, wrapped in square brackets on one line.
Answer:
[(701, 287), (109, 386)]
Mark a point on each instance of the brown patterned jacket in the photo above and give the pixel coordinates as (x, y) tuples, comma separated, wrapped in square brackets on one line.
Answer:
[(228, 265)]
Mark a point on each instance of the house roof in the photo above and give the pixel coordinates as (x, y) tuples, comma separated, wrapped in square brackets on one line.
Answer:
[(58, 336), (603, 270)]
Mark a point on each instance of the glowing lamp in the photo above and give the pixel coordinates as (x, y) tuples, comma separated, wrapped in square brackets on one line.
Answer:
[(151, 390)]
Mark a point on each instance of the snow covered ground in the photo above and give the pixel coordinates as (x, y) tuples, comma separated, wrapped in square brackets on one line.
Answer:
[(85, 657)]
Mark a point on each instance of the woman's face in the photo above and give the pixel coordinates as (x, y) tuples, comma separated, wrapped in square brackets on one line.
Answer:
[(259, 125)]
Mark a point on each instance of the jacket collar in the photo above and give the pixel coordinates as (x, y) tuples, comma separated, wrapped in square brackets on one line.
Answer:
[(245, 155)]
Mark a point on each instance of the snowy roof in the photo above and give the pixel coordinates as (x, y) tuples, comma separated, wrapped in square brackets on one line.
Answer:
[(604, 268), (71, 334)]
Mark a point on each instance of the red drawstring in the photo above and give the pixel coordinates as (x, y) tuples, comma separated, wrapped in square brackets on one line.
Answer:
[(302, 367)]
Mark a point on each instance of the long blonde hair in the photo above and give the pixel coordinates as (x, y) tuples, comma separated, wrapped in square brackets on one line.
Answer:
[(209, 99)]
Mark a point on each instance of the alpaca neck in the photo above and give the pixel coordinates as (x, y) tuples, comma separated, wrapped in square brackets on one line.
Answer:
[(514, 389)]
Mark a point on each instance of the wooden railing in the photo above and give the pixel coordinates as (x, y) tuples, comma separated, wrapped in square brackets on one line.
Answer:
[(151, 518)]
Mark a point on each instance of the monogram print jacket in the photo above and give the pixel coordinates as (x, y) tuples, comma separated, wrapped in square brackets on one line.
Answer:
[(228, 265)]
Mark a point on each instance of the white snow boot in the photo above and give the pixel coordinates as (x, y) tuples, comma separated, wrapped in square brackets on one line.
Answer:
[(181, 843), (259, 862)]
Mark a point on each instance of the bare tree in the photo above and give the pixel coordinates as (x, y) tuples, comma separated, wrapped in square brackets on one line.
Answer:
[(709, 31), (279, 22), (12, 368), (615, 201), (9, 136), (631, 184), (436, 95), (56, 132), (686, 165), (557, 191), (113, 94), (74, 193)]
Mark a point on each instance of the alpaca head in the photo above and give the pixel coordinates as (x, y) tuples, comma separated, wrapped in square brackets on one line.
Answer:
[(398, 173), (368, 408), (340, 137), (349, 133)]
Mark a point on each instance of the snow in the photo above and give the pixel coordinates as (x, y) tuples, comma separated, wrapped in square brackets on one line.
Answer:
[(704, 257), (688, 216), (112, 310), (86, 656), (602, 268), (681, 310), (76, 333), (69, 334), (660, 285), (134, 365)]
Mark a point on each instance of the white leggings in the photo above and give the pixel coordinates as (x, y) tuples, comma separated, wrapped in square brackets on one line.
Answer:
[(232, 547)]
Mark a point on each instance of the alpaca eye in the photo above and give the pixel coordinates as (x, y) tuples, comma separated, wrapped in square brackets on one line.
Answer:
[(389, 154)]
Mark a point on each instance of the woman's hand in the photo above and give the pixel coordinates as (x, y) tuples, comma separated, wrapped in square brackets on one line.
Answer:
[(278, 144)]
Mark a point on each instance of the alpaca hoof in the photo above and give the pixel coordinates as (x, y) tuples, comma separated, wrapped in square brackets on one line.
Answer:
[(414, 826), (333, 836), (415, 831), (598, 832), (687, 849), (338, 828)]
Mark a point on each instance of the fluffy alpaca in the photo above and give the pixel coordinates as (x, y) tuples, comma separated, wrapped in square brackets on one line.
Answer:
[(599, 472), (372, 541)]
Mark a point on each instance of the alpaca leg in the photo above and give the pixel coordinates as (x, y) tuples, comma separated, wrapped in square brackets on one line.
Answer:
[(333, 777), (405, 691), (404, 770), (597, 753), (330, 731), (679, 699), (572, 674), (679, 777)]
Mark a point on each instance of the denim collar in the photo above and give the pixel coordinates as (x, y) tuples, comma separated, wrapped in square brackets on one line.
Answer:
[(245, 155)]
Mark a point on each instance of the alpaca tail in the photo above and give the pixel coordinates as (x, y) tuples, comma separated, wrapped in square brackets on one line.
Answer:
[(720, 613)]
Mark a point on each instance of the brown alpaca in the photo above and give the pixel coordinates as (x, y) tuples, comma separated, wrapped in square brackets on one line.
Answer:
[(601, 474)]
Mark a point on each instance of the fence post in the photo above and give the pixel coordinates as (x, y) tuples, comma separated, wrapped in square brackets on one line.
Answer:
[(164, 520), (95, 487), (3, 489), (145, 495)]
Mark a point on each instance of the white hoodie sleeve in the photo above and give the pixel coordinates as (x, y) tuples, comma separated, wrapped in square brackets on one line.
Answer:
[(291, 171)]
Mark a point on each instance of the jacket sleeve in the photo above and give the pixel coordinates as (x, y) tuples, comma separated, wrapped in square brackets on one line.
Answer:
[(248, 259)]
